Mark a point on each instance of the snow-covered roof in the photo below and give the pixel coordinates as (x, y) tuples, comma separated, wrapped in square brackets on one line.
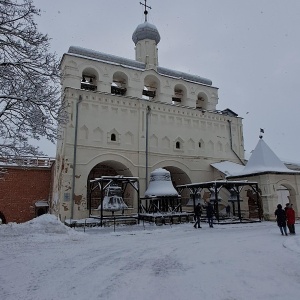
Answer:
[(41, 203), (87, 53), (262, 160), (228, 168)]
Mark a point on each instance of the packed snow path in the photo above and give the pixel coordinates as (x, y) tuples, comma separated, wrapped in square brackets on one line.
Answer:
[(45, 260)]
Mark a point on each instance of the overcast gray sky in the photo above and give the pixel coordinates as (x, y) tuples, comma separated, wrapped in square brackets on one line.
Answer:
[(249, 49)]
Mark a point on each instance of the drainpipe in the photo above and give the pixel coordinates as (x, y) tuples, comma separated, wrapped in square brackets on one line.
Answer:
[(230, 133), (147, 137), (74, 157)]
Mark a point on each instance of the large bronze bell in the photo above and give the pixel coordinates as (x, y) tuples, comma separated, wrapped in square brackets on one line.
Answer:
[(160, 184)]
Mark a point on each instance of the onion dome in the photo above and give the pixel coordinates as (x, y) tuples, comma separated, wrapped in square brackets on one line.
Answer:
[(146, 31)]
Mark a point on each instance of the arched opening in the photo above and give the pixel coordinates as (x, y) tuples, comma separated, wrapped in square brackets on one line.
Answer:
[(113, 137), (2, 218), (179, 177), (151, 87), (178, 144), (108, 168), (89, 79), (287, 194), (202, 100), (41, 211), (180, 94), (41, 207), (283, 195), (119, 83)]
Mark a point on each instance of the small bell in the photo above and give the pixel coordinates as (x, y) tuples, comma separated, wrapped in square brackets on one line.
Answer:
[(113, 200), (233, 196), (198, 199), (212, 197)]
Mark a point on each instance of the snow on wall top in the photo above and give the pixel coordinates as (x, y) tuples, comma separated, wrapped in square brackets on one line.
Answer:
[(113, 59)]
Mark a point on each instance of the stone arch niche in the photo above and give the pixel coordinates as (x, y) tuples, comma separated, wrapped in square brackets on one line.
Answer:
[(151, 87), (109, 168), (202, 101), (178, 176), (180, 95), (89, 78), (119, 83)]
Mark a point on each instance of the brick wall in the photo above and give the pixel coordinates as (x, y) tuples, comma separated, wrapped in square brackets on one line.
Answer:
[(20, 188)]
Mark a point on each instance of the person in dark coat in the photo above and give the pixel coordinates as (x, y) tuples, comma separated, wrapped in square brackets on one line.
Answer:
[(198, 212), (281, 219), (291, 218), (228, 210), (210, 214)]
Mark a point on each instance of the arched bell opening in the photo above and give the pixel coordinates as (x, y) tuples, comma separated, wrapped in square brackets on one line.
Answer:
[(110, 168), (202, 100), (89, 79), (119, 84), (151, 87), (180, 95)]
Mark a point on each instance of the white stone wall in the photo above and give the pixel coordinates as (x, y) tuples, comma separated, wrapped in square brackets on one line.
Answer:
[(204, 135), (269, 184)]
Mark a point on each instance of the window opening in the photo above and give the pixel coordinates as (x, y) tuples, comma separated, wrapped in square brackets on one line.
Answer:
[(113, 137), (177, 145)]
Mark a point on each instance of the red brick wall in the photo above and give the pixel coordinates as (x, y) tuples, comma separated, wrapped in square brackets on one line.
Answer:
[(20, 188)]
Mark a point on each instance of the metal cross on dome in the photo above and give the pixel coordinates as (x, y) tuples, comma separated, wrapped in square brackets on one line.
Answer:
[(145, 11)]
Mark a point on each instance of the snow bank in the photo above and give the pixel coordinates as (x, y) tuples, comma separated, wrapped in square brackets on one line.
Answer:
[(45, 224)]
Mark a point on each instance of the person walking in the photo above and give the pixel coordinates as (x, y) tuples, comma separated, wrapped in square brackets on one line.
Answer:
[(281, 219), (228, 210), (210, 214), (198, 212), (290, 218)]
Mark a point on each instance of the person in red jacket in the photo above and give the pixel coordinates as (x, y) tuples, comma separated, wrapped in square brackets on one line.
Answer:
[(290, 218)]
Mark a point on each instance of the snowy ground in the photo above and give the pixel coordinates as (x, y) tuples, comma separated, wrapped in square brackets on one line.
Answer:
[(43, 259)]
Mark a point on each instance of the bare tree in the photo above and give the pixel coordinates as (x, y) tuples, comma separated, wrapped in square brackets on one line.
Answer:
[(29, 81)]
